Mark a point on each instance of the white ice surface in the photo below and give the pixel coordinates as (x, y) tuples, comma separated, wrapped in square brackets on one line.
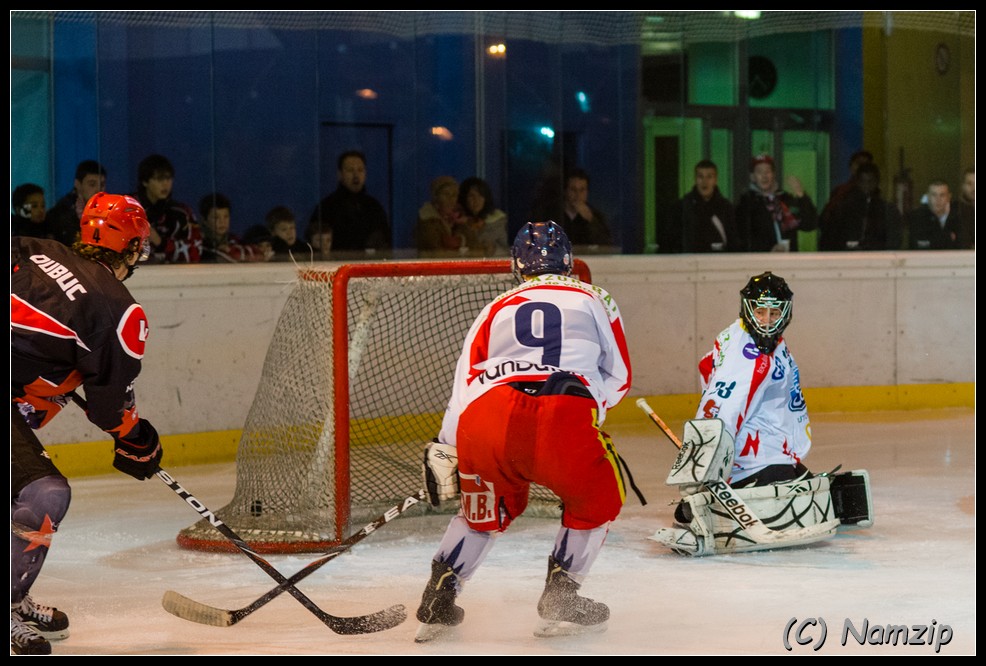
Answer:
[(115, 556)]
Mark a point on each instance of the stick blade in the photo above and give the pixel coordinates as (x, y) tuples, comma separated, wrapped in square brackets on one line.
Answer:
[(188, 609), (372, 623)]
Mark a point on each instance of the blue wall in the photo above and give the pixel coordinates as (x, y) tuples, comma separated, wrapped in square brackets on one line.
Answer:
[(847, 134), (260, 112), (259, 104)]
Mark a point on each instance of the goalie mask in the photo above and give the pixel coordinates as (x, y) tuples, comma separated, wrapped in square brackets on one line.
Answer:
[(765, 308), (539, 248)]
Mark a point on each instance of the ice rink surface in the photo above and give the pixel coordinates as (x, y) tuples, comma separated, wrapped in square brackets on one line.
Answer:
[(116, 555)]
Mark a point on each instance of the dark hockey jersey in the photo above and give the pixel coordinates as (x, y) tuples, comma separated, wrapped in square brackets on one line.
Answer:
[(72, 324)]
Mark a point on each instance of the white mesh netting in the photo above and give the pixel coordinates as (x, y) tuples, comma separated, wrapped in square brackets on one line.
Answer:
[(306, 475), (600, 28)]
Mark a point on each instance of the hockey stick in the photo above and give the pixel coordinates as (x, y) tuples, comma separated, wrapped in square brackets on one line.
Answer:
[(360, 624), (729, 499), (194, 611)]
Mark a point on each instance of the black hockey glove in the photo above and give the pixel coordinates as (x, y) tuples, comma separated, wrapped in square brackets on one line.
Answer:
[(139, 455)]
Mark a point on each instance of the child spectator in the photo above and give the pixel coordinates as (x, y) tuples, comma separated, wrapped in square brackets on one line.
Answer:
[(219, 245), (28, 218), (283, 227), (64, 218), (176, 237)]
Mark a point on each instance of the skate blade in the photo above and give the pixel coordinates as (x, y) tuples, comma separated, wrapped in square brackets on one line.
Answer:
[(56, 635), (430, 632), (551, 628)]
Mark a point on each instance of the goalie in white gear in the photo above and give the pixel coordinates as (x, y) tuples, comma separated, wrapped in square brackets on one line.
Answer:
[(751, 383)]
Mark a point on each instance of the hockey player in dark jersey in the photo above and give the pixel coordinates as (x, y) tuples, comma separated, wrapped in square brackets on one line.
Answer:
[(73, 324)]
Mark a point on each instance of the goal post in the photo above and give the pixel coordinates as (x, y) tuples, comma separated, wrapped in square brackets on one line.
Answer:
[(355, 381)]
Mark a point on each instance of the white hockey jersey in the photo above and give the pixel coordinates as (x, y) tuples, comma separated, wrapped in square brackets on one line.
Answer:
[(549, 323), (758, 397)]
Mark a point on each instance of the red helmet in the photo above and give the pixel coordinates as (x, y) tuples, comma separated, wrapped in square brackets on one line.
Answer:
[(113, 221)]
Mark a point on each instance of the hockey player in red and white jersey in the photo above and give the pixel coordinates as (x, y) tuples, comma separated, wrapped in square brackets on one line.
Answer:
[(540, 368), (750, 437), (751, 382), (72, 324)]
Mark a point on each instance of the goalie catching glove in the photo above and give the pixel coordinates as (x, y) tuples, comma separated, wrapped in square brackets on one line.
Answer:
[(139, 454), (441, 472)]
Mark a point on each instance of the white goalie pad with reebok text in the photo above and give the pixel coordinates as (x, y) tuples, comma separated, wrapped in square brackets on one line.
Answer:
[(796, 512)]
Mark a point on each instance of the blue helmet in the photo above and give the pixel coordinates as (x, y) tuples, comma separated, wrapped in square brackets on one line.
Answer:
[(541, 247)]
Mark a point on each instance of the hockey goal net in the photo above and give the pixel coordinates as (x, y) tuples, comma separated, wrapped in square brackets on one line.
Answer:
[(356, 379)]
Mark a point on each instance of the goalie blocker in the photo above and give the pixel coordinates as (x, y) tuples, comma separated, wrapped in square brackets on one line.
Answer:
[(727, 520)]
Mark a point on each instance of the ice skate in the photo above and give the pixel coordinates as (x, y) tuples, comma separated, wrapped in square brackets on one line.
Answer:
[(24, 639), (563, 612), (438, 612), (49, 622)]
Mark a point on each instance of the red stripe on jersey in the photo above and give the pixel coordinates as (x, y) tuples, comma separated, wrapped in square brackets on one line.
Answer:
[(25, 316), (760, 371), (479, 351), (705, 367), (621, 343)]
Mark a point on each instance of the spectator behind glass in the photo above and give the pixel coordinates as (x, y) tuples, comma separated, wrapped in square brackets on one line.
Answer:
[(935, 225), (442, 230), (219, 245), (483, 217), (856, 160), (65, 216), (258, 234), (586, 226), (860, 218), (767, 217), (284, 239), (28, 216), (703, 220), (356, 221), (967, 208), (320, 240), (175, 234)]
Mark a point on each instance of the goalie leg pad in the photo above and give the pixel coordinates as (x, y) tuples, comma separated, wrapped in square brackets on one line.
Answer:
[(696, 538), (852, 499), (801, 512), (683, 541), (706, 455)]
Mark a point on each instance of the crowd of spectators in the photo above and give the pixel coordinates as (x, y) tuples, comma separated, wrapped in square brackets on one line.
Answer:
[(462, 219), (769, 217)]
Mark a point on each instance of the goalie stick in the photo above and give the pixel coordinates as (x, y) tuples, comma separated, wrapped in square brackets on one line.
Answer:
[(360, 624), (730, 500), (194, 611)]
